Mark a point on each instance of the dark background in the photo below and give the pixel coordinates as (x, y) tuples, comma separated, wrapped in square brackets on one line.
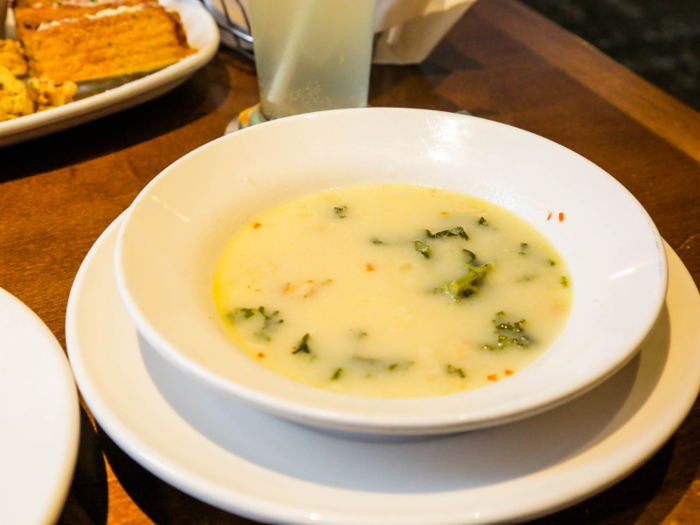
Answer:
[(658, 39)]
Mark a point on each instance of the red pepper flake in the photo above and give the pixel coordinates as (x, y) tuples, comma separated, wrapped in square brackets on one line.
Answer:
[(444, 213), (492, 377), (256, 225), (309, 281), (549, 216), (261, 354), (561, 216), (369, 267), (509, 372), (295, 348)]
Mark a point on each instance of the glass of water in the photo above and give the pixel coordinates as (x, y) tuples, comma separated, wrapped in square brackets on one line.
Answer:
[(312, 55)]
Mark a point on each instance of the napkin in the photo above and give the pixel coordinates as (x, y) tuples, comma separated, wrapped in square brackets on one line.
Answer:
[(406, 30)]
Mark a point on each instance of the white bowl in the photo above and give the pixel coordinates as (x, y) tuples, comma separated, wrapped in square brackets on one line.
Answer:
[(177, 227)]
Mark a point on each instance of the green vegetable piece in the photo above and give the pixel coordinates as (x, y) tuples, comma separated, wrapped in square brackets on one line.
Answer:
[(377, 241), (361, 334), (509, 333), (523, 248), (377, 365), (457, 231), (456, 371), (551, 262), (246, 313), (515, 327), (341, 211), (269, 323), (303, 346), (471, 256), (467, 285), (337, 374), (483, 221), (564, 282), (272, 318), (422, 248)]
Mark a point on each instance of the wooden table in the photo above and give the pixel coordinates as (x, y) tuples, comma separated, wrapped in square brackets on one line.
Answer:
[(501, 62)]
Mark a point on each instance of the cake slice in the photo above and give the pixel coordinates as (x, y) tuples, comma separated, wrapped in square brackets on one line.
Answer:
[(112, 42)]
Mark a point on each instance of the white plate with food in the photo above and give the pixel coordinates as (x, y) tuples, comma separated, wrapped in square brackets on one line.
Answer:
[(202, 35), (39, 418), (516, 223), (271, 470)]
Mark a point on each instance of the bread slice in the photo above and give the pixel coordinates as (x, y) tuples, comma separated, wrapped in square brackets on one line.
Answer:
[(100, 4), (109, 43), (31, 16)]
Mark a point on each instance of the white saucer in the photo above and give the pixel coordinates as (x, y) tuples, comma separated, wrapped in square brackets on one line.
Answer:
[(39, 418), (271, 470)]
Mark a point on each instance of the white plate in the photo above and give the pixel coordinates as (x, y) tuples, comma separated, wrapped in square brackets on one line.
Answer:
[(39, 418), (202, 34), (268, 469)]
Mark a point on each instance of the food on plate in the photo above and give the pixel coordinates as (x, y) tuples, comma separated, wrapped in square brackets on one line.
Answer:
[(14, 99), (65, 43), (47, 94), (73, 3), (19, 98), (32, 14), (392, 291), (12, 57), (109, 43)]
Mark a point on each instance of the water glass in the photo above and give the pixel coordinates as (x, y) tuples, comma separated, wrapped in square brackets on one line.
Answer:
[(312, 55)]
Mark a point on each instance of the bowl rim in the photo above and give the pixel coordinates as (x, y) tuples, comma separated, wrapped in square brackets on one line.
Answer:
[(363, 423)]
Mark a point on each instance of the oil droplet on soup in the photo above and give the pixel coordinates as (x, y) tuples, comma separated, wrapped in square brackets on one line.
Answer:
[(395, 291)]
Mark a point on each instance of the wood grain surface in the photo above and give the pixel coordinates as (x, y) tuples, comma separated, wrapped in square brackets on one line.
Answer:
[(501, 62)]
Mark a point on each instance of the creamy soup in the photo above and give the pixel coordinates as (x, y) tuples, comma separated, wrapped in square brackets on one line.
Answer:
[(392, 291)]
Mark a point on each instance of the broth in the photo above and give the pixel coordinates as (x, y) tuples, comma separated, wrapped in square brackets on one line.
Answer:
[(395, 291)]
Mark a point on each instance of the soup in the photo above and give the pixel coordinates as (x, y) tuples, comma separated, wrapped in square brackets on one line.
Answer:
[(397, 291)]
